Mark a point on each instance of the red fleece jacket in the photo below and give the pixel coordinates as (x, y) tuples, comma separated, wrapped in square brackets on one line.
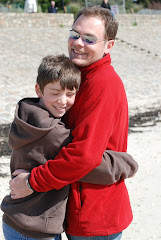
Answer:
[(99, 119)]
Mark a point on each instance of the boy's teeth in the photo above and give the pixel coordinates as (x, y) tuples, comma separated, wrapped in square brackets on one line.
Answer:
[(59, 108)]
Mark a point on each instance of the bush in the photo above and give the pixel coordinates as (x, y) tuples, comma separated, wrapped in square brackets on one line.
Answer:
[(73, 8)]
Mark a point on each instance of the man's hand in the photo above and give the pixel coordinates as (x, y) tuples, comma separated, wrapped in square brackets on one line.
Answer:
[(18, 185)]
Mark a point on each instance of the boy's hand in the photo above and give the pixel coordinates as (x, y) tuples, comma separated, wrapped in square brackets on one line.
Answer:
[(18, 185)]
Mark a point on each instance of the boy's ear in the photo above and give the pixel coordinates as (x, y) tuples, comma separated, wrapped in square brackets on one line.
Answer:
[(109, 46), (38, 91)]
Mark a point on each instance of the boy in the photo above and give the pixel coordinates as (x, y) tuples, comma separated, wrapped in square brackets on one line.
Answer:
[(42, 215), (36, 135)]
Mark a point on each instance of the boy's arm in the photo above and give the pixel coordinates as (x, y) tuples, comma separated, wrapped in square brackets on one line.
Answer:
[(114, 166)]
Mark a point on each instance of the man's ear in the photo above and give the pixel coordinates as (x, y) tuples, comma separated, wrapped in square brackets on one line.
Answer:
[(38, 91), (109, 46)]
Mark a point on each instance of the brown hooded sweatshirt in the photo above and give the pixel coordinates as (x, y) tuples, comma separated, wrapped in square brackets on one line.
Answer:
[(35, 137)]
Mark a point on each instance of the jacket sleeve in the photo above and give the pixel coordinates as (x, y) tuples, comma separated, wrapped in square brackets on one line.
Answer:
[(102, 116), (114, 166)]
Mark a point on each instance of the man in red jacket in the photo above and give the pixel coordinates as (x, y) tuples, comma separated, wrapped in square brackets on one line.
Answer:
[(99, 120)]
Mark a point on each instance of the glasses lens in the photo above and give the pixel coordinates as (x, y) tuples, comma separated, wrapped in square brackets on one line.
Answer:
[(89, 39), (74, 35), (86, 39)]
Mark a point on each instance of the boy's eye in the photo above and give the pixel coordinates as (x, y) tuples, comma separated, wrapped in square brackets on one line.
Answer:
[(70, 94)]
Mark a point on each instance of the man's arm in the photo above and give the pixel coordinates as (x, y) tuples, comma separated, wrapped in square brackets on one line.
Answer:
[(114, 166)]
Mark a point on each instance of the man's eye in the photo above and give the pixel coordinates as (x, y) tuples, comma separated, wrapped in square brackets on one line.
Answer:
[(90, 39), (75, 36)]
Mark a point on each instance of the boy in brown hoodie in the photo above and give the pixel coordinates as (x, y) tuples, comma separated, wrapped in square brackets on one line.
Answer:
[(37, 134)]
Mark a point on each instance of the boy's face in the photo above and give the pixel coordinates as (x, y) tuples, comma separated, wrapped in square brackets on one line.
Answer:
[(83, 54), (56, 100)]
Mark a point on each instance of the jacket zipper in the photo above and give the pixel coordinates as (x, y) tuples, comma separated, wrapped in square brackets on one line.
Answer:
[(80, 190)]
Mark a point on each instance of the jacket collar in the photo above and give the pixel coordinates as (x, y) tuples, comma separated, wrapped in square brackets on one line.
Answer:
[(88, 70)]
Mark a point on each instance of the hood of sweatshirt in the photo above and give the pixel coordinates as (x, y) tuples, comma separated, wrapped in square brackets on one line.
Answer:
[(31, 122)]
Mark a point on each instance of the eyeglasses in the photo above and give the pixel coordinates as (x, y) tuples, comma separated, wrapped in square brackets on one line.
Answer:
[(86, 39)]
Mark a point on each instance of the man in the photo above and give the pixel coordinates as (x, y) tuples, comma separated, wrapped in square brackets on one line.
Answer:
[(30, 6), (105, 4), (52, 8), (99, 119)]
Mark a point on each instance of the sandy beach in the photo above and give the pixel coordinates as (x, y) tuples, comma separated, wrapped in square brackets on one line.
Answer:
[(21, 51)]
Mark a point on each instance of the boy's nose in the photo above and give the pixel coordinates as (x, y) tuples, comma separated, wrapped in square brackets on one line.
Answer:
[(62, 100)]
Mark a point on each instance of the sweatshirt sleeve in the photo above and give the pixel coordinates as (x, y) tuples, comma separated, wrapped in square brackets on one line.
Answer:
[(102, 109), (114, 166)]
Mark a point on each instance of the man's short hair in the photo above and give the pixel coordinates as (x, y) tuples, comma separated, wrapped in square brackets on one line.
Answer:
[(58, 68), (110, 23)]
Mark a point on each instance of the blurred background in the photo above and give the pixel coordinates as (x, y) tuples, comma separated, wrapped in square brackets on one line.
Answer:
[(73, 6)]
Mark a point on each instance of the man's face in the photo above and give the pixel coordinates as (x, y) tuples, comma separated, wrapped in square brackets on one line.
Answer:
[(56, 100), (52, 3), (81, 53)]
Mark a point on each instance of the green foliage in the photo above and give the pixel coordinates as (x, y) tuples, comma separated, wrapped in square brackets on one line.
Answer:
[(44, 5), (137, 7), (80, 2), (58, 3), (13, 5), (135, 23), (145, 3), (128, 5), (14, 2), (73, 8)]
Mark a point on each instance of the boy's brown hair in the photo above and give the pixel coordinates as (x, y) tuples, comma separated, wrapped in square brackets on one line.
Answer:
[(58, 68), (110, 23)]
